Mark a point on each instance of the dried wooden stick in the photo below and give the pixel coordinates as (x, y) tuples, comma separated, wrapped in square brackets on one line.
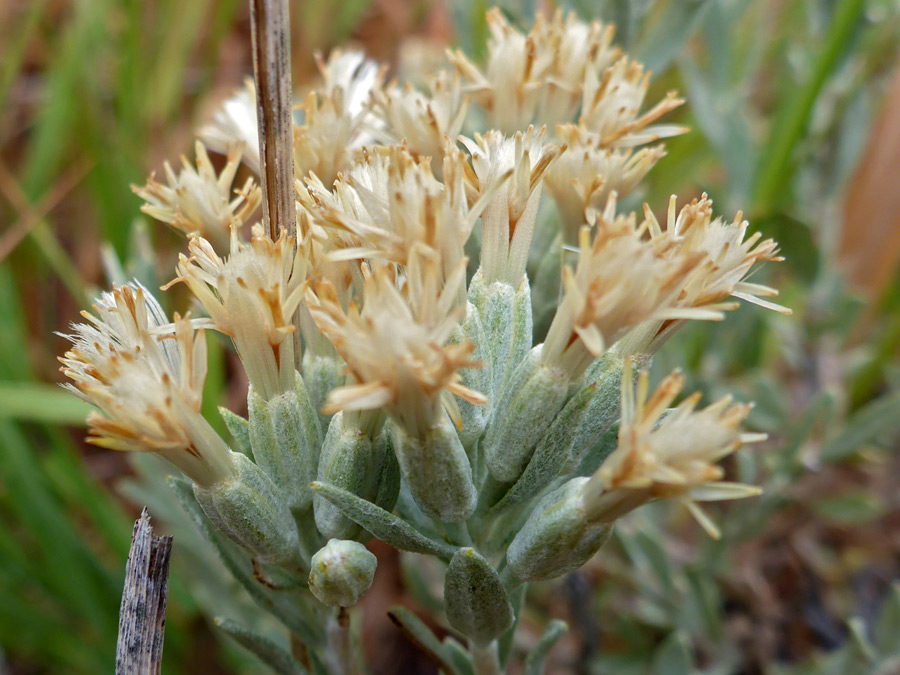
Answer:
[(270, 28), (142, 616)]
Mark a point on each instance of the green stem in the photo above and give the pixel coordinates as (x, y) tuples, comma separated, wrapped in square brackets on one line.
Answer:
[(310, 541), (340, 644), (485, 660), (458, 534)]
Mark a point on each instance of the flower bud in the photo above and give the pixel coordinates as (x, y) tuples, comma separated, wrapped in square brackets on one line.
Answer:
[(553, 451), (507, 323), (249, 511), (359, 464), (437, 470), (322, 373), (603, 410), (474, 417), (340, 572), (557, 538), (285, 435), (530, 401)]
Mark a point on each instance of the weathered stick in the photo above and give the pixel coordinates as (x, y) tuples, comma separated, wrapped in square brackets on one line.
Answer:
[(142, 616), (270, 28)]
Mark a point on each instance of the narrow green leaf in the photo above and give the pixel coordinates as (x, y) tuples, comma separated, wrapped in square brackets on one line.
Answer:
[(886, 636), (868, 424), (38, 402), (850, 508), (670, 32), (386, 526), (504, 646), (274, 656), (457, 656), (534, 662), (475, 599), (422, 637), (774, 168), (674, 656)]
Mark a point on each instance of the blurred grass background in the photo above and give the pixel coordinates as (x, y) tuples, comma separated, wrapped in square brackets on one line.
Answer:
[(795, 107)]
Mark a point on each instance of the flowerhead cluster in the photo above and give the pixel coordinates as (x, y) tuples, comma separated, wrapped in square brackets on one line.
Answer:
[(145, 377), (666, 452), (251, 296), (393, 336)]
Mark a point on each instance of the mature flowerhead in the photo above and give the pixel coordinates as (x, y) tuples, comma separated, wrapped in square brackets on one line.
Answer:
[(252, 296), (355, 75), (587, 173), (390, 205), (611, 107), (666, 453), (197, 201), (397, 346), (234, 125), (423, 122), (535, 78), (146, 380), (509, 218), (325, 143), (620, 281), (728, 258)]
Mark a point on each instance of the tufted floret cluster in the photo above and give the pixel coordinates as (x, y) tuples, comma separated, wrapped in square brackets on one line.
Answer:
[(419, 368)]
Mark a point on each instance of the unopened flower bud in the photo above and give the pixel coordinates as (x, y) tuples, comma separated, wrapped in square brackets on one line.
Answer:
[(507, 324), (557, 538), (437, 470), (354, 461), (532, 397), (249, 511), (340, 572), (285, 435)]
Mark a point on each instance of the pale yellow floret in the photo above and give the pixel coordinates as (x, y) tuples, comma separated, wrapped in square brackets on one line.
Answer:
[(611, 108), (668, 453), (536, 78), (197, 201), (389, 204), (585, 175), (145, 377), (422, 122), (508, 220), (728, 258), (325, 143), (252, 296), (234, 125), (356, 76), (397, 346), (621, 280)]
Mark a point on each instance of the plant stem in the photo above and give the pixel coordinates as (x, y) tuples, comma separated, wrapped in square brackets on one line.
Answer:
[(485, 660), (272, 68), (271, 32), (340, 644), (458, 533)]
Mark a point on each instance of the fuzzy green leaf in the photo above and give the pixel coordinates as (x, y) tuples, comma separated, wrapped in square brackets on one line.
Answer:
[(384, 525), (267, 651)]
